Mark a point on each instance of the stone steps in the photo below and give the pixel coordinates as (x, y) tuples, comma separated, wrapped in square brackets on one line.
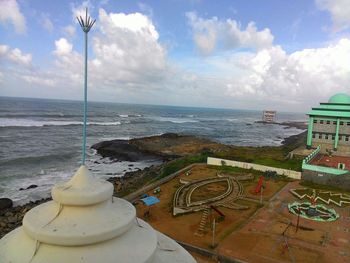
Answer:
[(203, 223)]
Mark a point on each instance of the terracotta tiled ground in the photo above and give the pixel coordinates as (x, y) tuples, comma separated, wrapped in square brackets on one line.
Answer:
[(260, 240), (331, 161)]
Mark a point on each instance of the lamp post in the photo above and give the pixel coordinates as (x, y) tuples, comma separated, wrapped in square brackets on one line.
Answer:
[(86, 24)]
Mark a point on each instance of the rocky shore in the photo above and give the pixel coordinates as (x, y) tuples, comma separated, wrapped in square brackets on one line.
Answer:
[(11, 218), (166, 147), (288, 124)]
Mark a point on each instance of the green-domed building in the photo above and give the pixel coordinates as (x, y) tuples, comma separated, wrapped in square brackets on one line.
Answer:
[(329, 126)]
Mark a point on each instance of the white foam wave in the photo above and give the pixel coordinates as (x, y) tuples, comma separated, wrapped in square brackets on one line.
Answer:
[(129, 115), (175, 120), (6, 122)]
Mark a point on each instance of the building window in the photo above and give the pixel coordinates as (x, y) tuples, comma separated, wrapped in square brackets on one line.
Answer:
[(313, 136), (321, 121), (333, 137), (326, 136), (347, 138), (320, 136), (348, 123), (334, 122), (328, 122), (315, 121), (341, 123)]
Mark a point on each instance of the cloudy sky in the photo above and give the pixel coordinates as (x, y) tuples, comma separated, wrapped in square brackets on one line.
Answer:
[(243, 54)]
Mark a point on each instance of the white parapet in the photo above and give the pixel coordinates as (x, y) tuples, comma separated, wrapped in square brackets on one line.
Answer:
[(220, 162), (84, 223)]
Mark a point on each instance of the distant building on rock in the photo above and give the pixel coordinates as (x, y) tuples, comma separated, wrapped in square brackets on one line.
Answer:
[(269, 116)]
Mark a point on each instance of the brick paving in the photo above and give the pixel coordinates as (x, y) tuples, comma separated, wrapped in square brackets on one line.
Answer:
[(260, 240)]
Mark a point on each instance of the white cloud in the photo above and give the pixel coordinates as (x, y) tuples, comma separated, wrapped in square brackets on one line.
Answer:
[(339, 10), (69, 31), (126, 54), (80, 10), (127, 49), (10, 12), (273, 75), (46, 22), (15, 55), (63, 47), (128, 63), (39, 80), (211, 33)]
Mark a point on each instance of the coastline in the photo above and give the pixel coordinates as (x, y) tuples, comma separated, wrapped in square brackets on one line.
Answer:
[(174, 150)]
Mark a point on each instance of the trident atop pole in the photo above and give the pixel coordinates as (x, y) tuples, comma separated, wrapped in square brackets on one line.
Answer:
[(86, 24)]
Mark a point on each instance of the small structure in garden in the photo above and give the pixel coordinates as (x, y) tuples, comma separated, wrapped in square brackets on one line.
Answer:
[(327, 197), (149, 201), (313, 211)]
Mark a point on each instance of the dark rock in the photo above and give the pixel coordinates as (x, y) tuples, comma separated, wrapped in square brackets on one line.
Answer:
[(12, 219), (122, 150), (130, 165), (8, 214), (5, 203), (29, 187), (169, 135)]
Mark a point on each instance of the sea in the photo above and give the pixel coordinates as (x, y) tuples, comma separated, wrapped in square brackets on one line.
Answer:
[(41, 139)]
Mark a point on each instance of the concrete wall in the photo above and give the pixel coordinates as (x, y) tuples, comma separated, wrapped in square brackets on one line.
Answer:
[(258, 167), (341, 181), (328, 128), (343, 148), (331, 127)]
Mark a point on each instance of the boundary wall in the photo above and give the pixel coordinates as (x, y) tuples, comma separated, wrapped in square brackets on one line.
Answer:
[(289, 173)]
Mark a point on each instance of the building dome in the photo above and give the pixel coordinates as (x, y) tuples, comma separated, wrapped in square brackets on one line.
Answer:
[(341, 98), (84, 223)]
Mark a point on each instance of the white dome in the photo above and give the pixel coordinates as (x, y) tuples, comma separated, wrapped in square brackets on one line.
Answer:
[(84, 223)]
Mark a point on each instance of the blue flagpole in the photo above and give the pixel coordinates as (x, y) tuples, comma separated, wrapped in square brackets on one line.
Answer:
[(85, 100), (86, 24)]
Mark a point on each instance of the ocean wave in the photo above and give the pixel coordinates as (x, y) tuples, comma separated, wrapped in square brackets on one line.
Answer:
[(31, 115), (129, 115), (41, 158), (174, 120), (6, 122)]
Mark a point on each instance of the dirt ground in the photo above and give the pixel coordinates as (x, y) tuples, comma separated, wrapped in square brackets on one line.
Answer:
[(209, 191), (184, 227), (255, 234)]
